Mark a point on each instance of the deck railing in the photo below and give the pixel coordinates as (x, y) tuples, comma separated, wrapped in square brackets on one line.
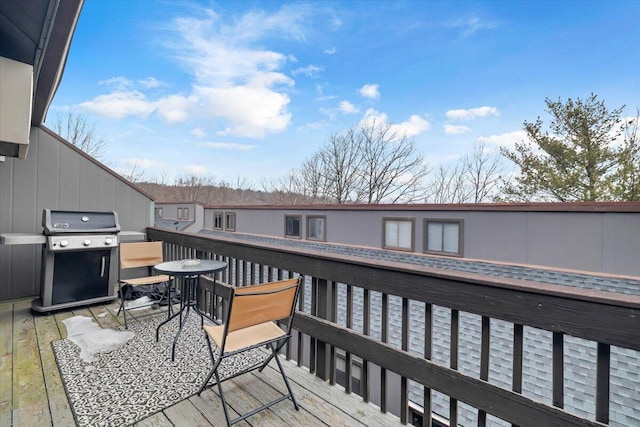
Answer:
[(361, 322)]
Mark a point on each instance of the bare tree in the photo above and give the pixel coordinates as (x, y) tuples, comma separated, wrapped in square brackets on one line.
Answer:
[(475, 178), (448, 185), (193, 188), (370, 164), (483, 172), (390, 168), (76, 128)]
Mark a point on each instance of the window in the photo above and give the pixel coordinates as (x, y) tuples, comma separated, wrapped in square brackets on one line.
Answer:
[(185, 213), (356, 373), (179, 213), (443, 236), (316, 228), (217, 220), (230, 221), (292, 226), (158, 212), (398, 234)]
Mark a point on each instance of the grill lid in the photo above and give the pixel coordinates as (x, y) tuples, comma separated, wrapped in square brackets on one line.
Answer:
[(63, 222)]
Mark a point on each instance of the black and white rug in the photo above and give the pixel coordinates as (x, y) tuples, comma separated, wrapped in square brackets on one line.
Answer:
[(122, 386)]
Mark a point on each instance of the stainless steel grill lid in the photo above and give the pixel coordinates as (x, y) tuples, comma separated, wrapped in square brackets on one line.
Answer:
[(64, 222)]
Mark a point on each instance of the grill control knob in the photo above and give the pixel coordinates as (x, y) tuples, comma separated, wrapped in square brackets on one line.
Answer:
[(87, 242), (108, 241), (64, 243)]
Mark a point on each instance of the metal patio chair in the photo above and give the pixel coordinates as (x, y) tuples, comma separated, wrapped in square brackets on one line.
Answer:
[(140, 255), (250, 322)]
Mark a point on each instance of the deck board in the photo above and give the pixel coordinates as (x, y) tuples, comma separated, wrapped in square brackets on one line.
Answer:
[(32, 393)]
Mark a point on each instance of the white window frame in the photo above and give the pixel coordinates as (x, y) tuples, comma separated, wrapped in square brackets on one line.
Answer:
[(227, 216), (442, 239), (398, 242), (220, 216), (310, 228)]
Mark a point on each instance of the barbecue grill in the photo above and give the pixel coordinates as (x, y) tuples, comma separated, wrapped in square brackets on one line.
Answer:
[(79, 259)]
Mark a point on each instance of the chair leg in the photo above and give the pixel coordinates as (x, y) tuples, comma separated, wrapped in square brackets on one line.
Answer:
[(224, 402), (213, 369), (284, 377), (123, 298)]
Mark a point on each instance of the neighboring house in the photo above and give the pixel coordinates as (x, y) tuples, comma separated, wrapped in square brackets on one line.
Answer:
[(592, 237), (180, 216), (38, 169)]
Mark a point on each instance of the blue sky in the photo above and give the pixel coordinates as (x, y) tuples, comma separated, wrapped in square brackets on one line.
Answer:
[(250, 89)]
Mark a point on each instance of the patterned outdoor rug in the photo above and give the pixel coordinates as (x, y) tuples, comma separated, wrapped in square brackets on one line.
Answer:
[(137, 379)]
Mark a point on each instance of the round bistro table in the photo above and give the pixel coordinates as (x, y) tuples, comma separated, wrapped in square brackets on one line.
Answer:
[(188, 272)]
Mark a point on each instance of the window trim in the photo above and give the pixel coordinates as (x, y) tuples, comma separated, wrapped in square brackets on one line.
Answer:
[(324, 228), (226, 221), (458, 221), (413, 233), (221, 215), (287, 216)]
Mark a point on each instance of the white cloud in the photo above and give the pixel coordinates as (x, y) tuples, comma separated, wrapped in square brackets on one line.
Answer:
[(455, 130), (118, 105), (252, 111), (118, 83), (236, 82), (348, 108), (151, 83), (175, 108), (415, 125), (507, 140), (144, 163), (331, 51), (471, 25), (195, 169), (197, 132), (230, 146), (472, 113), (370, 91), (309, 71)]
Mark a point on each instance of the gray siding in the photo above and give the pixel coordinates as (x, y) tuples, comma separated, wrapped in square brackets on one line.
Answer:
[(55, 175), (607, 242)]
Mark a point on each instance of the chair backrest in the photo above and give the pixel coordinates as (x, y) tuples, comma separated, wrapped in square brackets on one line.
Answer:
[(140, 254), (252, 305)]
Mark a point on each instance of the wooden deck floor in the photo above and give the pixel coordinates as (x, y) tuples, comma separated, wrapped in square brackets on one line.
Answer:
[(32, 394)]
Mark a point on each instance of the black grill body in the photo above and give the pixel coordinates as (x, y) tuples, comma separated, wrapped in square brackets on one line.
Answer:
[(79, 259)]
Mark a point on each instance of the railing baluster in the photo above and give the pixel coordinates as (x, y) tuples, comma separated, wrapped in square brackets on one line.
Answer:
[(485, 351), (518, 341), (603, 366), (428, 345), (301, 308), (366, 328), (558, 369), (455, 327), (334, 319), (347, 356), (314, 312), (404, 383), (384, 337)]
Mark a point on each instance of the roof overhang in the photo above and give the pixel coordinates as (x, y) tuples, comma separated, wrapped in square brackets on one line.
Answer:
[(36, 33)]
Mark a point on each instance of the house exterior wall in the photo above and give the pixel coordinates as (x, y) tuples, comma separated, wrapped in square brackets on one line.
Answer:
[(595, 240), (58, 176)]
